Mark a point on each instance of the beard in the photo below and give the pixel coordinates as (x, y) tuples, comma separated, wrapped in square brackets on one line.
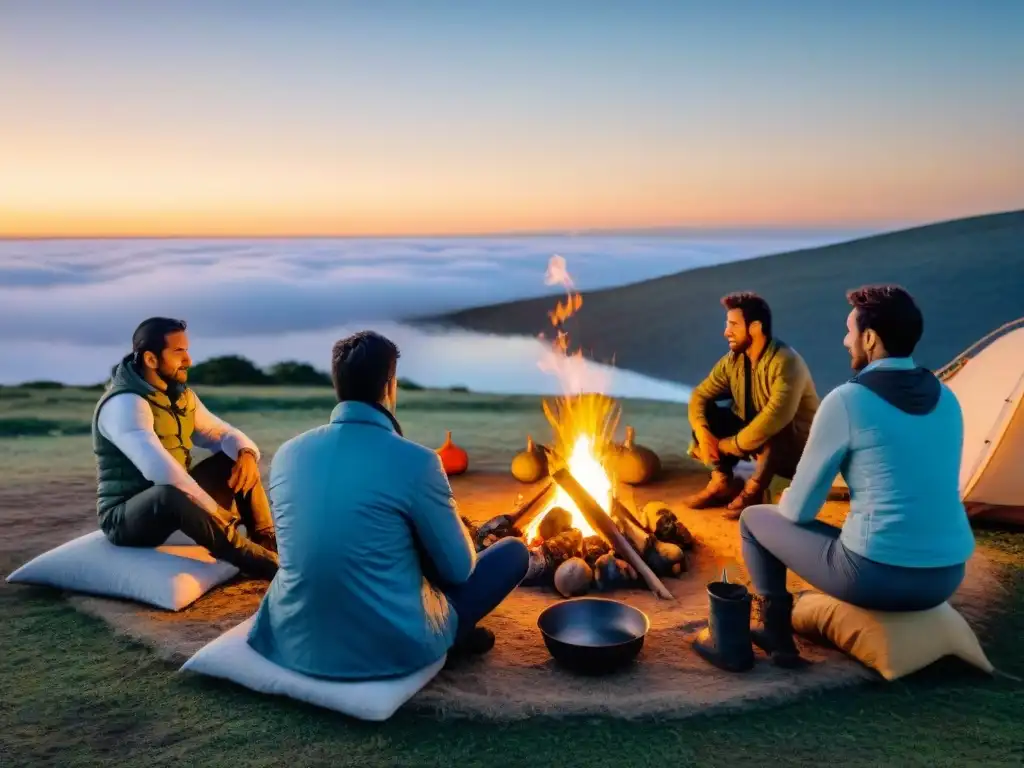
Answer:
[(740, 346), (175, 380), (858, 360)]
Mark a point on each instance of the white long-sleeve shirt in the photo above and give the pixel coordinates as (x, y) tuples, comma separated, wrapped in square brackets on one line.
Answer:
[(126, 420)]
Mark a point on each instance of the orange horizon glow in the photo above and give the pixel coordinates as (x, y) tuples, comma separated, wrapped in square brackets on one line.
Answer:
[(465, 217), (111, 188)]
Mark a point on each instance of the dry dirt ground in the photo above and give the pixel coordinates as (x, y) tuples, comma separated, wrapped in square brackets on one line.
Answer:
[(518, 678)]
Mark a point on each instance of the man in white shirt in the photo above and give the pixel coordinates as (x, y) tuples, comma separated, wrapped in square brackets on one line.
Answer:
[(144, 429)]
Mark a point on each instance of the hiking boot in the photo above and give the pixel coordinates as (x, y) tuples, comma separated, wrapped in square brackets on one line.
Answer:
[(266, 540), (721, 489), (752, 493), (775, 636), (726, 641)]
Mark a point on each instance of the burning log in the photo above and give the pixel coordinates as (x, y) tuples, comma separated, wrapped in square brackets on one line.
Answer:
[(594, 547), (564, 546), (667, 526), (664, 558), (502, 526), (600, 521), (556, 521), (635, 534), (621, 511)]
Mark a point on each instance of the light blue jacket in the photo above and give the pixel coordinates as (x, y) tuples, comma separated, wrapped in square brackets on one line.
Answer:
[(356, 507), (903, 472)]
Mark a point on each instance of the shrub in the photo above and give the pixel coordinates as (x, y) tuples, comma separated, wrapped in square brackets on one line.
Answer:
[(226, 371), (296, 374)]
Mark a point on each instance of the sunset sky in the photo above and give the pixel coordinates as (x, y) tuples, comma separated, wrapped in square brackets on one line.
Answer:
[(376, 117)]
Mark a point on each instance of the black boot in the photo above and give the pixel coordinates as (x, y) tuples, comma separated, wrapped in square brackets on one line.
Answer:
[(775, 636), (725, 642), (220, 535)]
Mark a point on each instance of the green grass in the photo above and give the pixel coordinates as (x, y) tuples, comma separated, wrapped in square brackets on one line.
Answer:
[(492, 428), (72, 693)]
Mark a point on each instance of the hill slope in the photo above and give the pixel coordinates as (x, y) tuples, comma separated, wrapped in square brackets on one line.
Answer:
[(967, 274)]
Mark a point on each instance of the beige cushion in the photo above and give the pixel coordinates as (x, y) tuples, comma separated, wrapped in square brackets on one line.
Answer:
[(892, 644)]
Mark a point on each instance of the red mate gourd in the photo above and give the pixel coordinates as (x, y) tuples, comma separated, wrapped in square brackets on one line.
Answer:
[(454, 459)]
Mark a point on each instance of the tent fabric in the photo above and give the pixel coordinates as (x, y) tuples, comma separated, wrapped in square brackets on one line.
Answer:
[(988, 380)]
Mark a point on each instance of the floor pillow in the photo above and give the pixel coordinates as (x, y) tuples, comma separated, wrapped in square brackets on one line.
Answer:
[(230, 657), (171, 576), (892, 644)]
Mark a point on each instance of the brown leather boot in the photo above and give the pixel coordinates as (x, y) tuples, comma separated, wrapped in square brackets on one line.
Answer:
[(720, 489), (752, 493)]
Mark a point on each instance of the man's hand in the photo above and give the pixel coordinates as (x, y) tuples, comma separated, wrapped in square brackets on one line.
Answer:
[(245, 474), (728, 446), (708, 445)]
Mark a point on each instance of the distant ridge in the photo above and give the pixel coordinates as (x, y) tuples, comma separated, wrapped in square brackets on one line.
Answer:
[(967, 274)]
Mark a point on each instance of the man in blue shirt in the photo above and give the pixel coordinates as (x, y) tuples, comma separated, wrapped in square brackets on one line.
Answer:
[(895, 432), (378, 576)]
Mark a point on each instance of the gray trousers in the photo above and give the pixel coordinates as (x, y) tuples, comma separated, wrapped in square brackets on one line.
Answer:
[(149, 517)]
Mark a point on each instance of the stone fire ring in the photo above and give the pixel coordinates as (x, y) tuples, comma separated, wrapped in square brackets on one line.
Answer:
[(519, 679)]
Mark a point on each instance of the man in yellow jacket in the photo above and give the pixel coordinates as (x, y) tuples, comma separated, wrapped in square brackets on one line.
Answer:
[(769, 420)]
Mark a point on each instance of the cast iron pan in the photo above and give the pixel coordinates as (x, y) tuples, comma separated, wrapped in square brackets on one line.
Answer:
[(593, 635)]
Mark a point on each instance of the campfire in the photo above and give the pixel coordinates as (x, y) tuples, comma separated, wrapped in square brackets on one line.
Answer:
[(580, 529)]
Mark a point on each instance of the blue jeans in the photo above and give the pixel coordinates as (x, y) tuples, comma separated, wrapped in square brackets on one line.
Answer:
[(772, 544), (499, 570)]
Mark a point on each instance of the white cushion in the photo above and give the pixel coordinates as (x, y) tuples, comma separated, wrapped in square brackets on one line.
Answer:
[(230, 657), (171, 576)]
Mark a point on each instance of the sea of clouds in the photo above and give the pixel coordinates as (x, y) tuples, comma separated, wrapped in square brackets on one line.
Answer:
[(68, 307)]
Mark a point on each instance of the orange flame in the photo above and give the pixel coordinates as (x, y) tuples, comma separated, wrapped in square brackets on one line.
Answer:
[(583, 422)]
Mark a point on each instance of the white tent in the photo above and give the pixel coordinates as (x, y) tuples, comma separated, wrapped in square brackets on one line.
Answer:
[(988, 380)]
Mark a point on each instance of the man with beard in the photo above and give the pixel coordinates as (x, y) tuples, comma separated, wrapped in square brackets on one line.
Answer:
[(773, 404), (379, 577), (143, 430), (895, 432)]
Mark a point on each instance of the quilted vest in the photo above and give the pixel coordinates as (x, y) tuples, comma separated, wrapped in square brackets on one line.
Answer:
[(117, 478)]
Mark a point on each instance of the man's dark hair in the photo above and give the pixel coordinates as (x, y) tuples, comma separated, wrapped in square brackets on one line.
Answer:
[(753, 308), (151, 335), (891, 312), (362, 365)]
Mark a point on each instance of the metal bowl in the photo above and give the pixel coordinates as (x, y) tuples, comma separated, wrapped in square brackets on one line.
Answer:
[(593, 635)]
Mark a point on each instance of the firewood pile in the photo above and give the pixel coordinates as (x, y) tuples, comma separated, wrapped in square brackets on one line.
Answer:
[(642, 548)]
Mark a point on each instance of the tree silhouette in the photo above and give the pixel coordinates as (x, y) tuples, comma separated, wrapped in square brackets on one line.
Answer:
[(228, 370)]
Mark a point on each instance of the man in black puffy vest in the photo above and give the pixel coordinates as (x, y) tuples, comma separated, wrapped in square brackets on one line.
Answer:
[(144, 428)]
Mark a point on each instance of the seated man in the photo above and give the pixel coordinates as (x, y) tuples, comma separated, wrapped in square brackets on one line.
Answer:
[(379, 577), (895, 432), (143, 431), (773, 404)]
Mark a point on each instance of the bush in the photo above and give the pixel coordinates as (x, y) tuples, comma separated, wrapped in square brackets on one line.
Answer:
[(41, 385), (33, 427), (295, 374), (228, 370)]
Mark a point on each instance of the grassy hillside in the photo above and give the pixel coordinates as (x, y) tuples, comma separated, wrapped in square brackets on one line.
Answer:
[(967, 275)]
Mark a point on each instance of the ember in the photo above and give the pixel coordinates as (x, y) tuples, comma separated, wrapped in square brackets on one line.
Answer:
[(603, 544)]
